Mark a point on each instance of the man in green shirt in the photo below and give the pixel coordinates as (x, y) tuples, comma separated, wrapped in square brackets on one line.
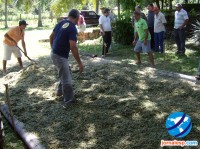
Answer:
[(142, 39)]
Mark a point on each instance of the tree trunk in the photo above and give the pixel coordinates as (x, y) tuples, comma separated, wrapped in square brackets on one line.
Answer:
[(170, 4), (51, 16), (118, 5), (39, 17), (158, 4), (6, 13), (97, 6)]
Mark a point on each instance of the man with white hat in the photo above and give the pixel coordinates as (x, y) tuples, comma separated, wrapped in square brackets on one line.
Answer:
[(181, 20)]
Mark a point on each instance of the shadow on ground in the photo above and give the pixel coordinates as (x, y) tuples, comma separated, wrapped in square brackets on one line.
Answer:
[(117, 107)]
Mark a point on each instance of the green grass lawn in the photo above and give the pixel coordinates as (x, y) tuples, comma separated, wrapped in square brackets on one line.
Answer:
[(169, 61), (11, 140)]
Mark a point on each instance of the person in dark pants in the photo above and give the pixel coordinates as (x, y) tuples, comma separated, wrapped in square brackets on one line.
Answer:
[(106, 31), (181, 20), (198, 76), (159, 29), (63, 40), (150, 22)]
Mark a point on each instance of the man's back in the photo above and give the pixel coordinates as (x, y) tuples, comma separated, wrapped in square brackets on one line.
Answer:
[(16, 34), (63, 32)]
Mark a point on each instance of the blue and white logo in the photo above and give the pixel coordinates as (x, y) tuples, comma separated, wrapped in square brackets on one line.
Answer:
[(178, 124)]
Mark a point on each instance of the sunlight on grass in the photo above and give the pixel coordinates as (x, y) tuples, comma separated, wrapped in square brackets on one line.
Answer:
[(127, 99), (125, 141), (149, 105), (136, 116), (142, 85), (161, 115), (91, 131)]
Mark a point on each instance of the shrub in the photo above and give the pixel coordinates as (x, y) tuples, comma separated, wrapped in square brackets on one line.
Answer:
[(196, 31), (123, 30)]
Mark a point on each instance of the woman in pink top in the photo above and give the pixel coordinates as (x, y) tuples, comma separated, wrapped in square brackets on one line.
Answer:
[(81, 24)]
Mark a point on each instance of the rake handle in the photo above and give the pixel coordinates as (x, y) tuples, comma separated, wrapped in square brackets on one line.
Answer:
[(24, 54)]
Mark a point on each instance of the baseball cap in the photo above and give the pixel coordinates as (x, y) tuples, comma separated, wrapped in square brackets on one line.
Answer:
[(74, 13), (178, 5), (22, 22), (138, 7)]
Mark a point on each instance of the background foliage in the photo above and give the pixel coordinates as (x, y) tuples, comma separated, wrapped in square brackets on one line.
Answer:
[(123, 30)]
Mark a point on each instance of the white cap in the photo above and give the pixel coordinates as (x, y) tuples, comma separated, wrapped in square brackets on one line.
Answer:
[(178, 5)]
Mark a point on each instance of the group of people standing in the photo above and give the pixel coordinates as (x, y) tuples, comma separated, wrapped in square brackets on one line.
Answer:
[(149, 35), (149, 31)]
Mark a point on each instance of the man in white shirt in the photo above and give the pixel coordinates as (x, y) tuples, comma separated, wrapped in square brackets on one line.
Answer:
[(181, 20), (106, 29), (159, 29)]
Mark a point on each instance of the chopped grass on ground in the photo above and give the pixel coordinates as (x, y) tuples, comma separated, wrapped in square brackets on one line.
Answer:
[(169, 61), (117, 107)]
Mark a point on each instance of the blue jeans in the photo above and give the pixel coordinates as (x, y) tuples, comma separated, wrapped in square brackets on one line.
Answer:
[(180, 39), (159, 42)]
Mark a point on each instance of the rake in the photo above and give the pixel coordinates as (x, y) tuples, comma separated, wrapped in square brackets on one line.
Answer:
[(26, 55)]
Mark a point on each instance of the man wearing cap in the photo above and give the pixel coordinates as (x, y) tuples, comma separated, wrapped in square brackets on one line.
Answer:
[(181, 20), (62, 40), (142, 39), (11, 38), (106, 31), (159, 29)]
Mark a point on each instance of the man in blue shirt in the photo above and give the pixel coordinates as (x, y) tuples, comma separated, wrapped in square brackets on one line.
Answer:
[(62, 40)]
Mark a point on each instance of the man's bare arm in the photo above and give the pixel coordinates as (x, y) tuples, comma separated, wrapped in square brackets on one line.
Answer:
[(146, 34), (184, 24), (24, 47), (135, 38), (101, 27), (75, 53), (51, 39), (9, 38)]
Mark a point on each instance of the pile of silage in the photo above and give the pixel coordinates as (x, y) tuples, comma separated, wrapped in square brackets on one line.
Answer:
[(117, 106)]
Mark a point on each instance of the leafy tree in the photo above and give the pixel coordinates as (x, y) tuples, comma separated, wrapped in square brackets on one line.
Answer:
[(6, 13), (60, 6), (6, 3), (38, 5)]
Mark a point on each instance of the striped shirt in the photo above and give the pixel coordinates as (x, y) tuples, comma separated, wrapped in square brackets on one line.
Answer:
[(180, 17)]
